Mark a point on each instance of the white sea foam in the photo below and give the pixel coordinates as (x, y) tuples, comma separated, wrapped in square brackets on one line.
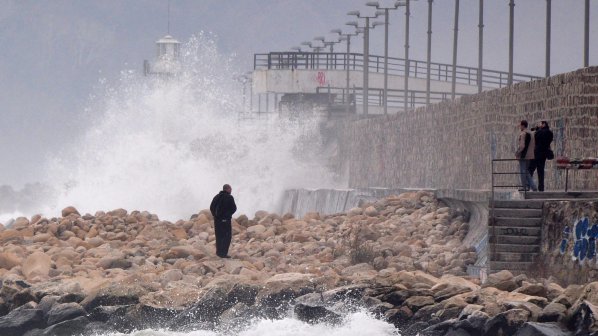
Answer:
[(168, 146), (355, 324)]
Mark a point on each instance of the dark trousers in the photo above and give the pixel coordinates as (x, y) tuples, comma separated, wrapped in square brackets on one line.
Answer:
[(223, 231), (538, 164)]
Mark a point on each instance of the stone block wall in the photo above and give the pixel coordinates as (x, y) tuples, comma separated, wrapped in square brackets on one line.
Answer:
[(451, 144), (569, 234)]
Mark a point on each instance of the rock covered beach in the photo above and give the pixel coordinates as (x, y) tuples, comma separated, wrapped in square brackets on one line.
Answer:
[(401, 258)]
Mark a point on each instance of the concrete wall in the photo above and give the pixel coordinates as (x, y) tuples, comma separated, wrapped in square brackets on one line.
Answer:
[(451, 144), (569, 234)]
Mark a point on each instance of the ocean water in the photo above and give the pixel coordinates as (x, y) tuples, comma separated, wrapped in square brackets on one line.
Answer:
[(168, 146), (355, 324)]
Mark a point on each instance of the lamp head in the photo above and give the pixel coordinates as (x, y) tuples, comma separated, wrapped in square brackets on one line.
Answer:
[(373, 4), (352, 23), (319, 38), (337, 31), (356, 13)]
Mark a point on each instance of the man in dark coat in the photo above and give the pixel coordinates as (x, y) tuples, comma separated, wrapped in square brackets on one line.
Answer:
[(543, 137), (222, 208)]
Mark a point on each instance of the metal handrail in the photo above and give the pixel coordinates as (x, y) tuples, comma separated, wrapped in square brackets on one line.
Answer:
[(396, 66), (491, 215), (395, 98)]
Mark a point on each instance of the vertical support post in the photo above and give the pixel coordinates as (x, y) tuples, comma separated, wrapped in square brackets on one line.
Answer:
[(429, 58), (548, 29), (480, 45), (347, 95), (511, 38), (251, 95), (366, 64), (586, 36), (385, 98), (455, 45), (267, 102), (406, 84)]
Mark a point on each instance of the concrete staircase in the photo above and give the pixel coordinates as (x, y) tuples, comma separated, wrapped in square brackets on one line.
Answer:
[(514, 232)]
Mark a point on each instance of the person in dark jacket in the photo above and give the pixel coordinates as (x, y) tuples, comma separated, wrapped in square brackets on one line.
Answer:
[(222, 208), (543, 137)]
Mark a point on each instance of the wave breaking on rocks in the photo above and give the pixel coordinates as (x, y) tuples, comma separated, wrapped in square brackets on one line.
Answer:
[(400, 259)]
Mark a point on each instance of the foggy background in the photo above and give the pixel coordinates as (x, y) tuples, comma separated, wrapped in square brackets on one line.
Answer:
[(53, 53)]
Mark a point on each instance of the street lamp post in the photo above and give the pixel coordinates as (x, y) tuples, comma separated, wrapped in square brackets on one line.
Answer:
[(346, 37), (455, 37), (429, 57), (366, 53), (386, 10)]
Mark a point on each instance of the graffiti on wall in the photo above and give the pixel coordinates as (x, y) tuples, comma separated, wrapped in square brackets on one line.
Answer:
[(584, 239)]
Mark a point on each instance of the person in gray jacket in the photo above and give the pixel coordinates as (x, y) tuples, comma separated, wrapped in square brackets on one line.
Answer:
[(525, 153)]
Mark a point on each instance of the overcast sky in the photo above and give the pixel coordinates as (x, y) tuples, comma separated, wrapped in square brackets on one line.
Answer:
[(52, 53)]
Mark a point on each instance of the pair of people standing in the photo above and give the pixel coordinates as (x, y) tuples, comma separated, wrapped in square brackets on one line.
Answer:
[(532, 152)]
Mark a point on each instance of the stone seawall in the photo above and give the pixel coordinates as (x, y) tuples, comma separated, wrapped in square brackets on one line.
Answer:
[(569, 232), (451, 144)]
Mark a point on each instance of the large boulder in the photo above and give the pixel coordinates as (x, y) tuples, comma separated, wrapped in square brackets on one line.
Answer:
[(584, 318), (316, 314), (507, 322), (19, 321), (280, 290), (542, 329), (502, 280), (73, 327), (38, 264), (113, 295), (69, 211), (64, 311)]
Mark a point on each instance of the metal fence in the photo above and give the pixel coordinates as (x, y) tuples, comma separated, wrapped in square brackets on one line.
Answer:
[(395, 100), (396, 66)]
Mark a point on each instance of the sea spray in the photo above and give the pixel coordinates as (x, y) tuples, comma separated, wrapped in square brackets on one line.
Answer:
[(168, 145), (355, 324)]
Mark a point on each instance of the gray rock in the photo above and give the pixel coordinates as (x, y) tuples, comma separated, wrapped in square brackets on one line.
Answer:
[(76, 326), (65, 311), (316, 314), (542, 329), (47, 302), (19, 321)]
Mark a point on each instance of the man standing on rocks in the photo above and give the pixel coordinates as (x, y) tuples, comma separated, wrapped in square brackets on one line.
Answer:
[(525, 153), (222, 208)]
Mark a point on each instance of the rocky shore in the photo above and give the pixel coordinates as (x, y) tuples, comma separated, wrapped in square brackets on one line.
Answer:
[(400, 258)]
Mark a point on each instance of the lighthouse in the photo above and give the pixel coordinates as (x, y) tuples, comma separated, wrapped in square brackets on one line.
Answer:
[(167, 63)]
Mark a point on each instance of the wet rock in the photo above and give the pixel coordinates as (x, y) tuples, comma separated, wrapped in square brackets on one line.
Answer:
[(415, 303), (19, 321), (507, 322), (72, 327), (64, 311), (114, 295), (553, 312), (584, 318), (316, 314), (542, 329)]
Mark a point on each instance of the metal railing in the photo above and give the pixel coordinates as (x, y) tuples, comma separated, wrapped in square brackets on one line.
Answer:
[(395, 99), (498, 182), (396, 66)]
